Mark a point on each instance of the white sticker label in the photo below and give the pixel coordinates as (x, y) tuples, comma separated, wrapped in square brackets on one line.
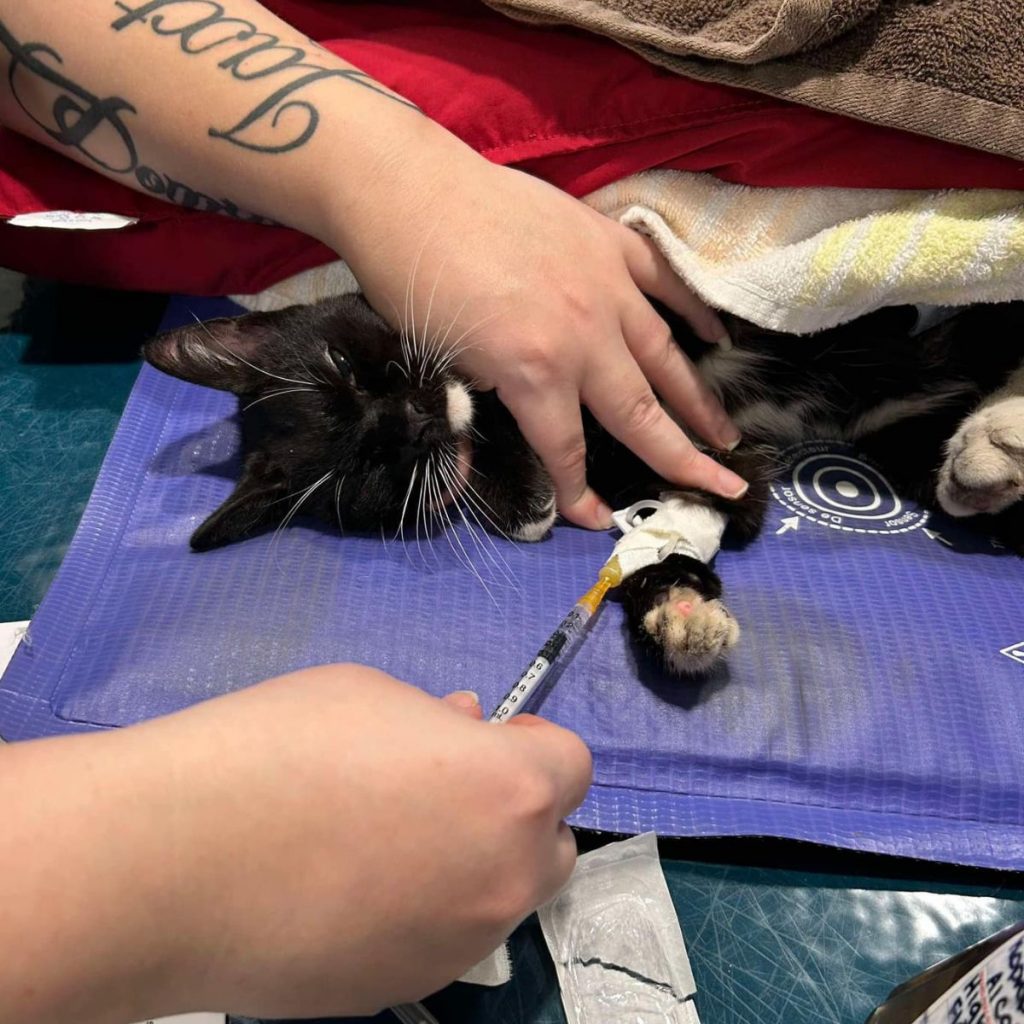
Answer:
[(11, 634), (71, 220), (190, 1018)]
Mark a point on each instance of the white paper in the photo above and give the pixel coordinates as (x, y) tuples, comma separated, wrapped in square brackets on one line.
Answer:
[(190, 1018), (10, 636), (72, 220)]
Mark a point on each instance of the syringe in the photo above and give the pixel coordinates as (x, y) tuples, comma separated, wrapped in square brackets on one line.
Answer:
[(559, 645)]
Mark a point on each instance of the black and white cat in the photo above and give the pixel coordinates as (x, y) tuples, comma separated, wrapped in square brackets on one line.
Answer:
[(344, 419)]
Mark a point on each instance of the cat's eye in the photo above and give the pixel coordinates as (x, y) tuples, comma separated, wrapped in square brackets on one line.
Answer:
[(341, 364)]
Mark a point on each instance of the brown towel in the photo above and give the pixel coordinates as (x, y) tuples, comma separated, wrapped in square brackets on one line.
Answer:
[(953, 69)]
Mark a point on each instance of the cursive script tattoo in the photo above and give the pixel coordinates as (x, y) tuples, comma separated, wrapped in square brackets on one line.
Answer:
[(69, 114), (285, 118), (94, 126)]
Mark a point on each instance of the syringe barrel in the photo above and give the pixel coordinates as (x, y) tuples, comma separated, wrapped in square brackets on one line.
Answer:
[(561, 641)]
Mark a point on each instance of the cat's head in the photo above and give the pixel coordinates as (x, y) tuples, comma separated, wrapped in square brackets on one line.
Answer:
[(346, 420)]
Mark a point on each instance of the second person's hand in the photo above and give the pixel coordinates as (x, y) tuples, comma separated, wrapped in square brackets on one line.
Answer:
[(553, 295)]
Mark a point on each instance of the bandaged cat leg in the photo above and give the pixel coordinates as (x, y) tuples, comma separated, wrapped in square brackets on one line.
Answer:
[(675, 524), (671, 595)]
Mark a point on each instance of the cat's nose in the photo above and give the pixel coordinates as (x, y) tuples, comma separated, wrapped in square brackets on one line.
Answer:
[(419, 420)]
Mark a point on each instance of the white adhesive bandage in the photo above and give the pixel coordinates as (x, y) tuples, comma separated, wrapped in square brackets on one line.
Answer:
[(616, 942), (677, 526)]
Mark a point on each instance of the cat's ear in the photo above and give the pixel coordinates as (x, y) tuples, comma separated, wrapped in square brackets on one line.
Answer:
[(227, 354), (255, 505)]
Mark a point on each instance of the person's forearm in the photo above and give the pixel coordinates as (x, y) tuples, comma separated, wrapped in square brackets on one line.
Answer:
[(212, 105), (240, 855), (89, 887)]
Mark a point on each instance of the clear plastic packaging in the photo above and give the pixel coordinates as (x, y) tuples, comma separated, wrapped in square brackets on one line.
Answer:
[(615, 939)]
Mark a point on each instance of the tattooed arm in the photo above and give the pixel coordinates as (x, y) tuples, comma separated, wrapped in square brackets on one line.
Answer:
[(185, 101), (219, 105)]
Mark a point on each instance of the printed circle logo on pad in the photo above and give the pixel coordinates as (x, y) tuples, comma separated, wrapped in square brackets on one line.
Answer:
[(829, 483)]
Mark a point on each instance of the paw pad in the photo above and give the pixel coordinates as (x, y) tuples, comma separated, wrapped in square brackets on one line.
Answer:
[(691, 631)]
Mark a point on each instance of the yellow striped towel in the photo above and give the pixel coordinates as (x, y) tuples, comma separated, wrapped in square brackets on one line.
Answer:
[(803, 259)]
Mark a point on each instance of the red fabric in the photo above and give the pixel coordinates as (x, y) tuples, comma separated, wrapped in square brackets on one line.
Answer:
[(575, 109)]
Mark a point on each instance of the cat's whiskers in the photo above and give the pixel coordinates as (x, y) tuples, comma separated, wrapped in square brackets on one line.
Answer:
[(332, 369), (436, 355), (456, 349), (406, 363), (294, 511), (422, 510), (398, 365), (426, 321), (400, 531), (477, 507), (444, 362), (450, 358), (277, 394), (403, 341), (405, 503), (436, 347), (436, 510), (451, 534), (442, 341), (471, 429), (337, 504), (406, 315), (428, 352), (487, 510), (439, 521), (493, 556), (306, 494), (410, 298), (443, 358)]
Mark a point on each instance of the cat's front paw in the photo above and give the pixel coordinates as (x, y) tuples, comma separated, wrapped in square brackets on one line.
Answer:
[(984, 467), (676, 613), (691, 632)]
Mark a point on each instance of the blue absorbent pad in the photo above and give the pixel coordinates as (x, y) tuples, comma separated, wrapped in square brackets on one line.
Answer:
[(875, 701)]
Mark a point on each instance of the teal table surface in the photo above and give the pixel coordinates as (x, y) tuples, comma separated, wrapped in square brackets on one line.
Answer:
[(781, 934)]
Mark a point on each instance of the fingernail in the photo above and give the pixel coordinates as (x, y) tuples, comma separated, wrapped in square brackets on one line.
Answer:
[(464, 699), (724, 343), (730, 485), (604, 516), (731, 438)]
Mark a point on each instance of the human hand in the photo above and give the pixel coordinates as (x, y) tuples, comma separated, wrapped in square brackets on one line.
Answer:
[(553, 295), (347, 842)]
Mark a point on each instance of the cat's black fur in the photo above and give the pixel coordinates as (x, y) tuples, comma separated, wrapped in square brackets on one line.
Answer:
[(338, 410)]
